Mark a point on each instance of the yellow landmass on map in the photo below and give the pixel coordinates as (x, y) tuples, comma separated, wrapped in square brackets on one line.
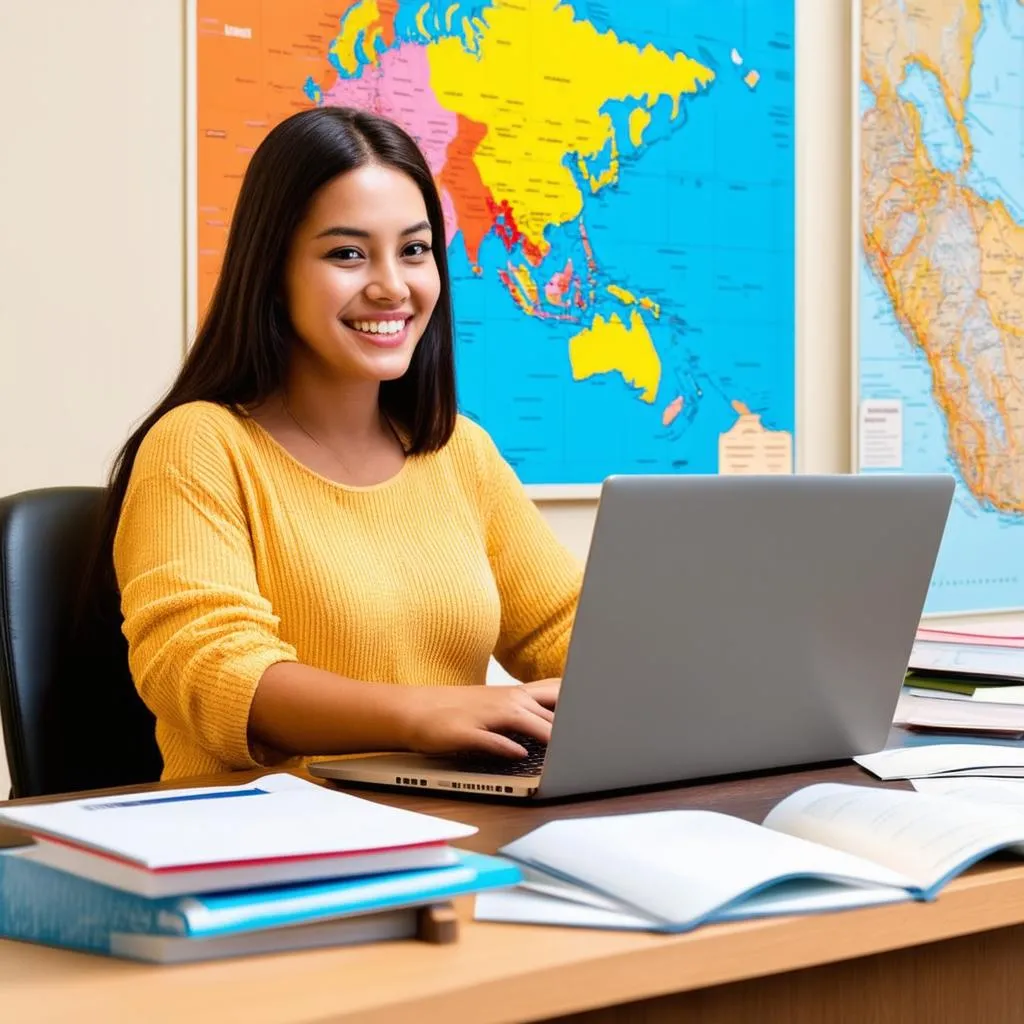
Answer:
[(542, 99), (627, 298), (639, 119), (363, 17), (603, 177), (526, 283), (611, 346), (951, 261)]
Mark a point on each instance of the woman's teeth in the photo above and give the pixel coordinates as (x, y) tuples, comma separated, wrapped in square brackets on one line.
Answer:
[(377, 326)]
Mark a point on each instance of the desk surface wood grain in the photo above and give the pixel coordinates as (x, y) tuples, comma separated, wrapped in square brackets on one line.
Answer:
[(503, 973)]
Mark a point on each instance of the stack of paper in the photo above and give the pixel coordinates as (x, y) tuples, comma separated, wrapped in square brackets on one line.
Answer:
[(964, 682), (275, 864)]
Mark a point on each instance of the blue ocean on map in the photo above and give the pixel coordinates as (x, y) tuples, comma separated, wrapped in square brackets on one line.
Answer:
[(699, 221), (922, 89), (994, 107), (981, 562)]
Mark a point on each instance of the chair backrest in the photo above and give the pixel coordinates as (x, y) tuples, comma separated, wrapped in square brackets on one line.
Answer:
[(72, 719)]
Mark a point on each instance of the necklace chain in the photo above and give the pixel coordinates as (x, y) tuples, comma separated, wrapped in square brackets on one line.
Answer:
[(330, 451), (319, 444)]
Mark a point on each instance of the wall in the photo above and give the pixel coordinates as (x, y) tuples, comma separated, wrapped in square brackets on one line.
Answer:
[(92, 251)]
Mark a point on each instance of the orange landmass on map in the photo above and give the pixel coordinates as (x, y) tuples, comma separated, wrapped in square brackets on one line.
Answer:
[(249, 60), (951, 261), (461, 179), (937, 36)]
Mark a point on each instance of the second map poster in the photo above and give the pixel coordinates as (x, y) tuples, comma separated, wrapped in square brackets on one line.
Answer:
[(941, 275), (619, 185)]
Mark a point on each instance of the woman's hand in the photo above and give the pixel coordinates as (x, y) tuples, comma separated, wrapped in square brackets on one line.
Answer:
[(458, 719)]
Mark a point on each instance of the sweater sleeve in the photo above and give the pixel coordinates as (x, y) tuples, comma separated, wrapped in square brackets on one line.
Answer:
[(200, 634), (538, 579)]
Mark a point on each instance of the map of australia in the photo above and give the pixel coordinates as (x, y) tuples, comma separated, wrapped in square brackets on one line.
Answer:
[(617, 181), (942, 299)]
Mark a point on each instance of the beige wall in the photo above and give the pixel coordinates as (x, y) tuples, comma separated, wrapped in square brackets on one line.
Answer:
[(92, 248)]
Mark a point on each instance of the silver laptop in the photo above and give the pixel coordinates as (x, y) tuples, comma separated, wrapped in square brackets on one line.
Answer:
[(726, 624)]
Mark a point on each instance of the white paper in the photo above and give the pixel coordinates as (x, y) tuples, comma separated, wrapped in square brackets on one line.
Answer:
[(1005, 793), (928, 838), (933, 758), (999, 695), (524, 905), (683, 866), (275, 816), (880, 442), (969, 659)]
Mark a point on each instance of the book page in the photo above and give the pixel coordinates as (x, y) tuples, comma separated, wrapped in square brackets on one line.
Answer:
[(1003, 792), (928, 838), (682, 867)]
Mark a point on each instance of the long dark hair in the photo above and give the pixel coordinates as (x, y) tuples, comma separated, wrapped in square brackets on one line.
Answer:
[(240, 354)]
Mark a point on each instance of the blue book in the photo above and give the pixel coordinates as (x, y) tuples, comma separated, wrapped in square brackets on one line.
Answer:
[(41, 904)]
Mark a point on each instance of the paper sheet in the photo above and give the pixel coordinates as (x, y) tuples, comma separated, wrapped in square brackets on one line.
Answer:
[(934, 758)]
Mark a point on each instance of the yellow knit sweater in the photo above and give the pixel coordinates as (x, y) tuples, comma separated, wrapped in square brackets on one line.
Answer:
[(231, 556)]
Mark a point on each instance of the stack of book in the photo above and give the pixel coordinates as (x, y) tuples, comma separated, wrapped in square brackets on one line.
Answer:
[(964, 683), (196, 874)]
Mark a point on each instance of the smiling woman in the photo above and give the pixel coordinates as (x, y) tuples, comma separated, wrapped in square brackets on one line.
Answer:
[(316, 554)]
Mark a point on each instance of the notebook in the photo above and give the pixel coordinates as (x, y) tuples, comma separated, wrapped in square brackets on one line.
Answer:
[(274, 830)]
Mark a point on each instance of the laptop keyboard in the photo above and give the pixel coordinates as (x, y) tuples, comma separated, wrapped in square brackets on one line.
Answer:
[(488, 764)]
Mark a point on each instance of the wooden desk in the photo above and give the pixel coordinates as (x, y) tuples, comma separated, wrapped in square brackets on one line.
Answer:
[(955, 960)]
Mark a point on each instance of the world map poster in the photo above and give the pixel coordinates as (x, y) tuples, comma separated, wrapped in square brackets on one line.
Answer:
[(618, 186), (941, 275)]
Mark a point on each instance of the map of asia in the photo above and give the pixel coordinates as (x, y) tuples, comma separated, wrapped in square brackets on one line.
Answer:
[(941, 282), (618, 182)]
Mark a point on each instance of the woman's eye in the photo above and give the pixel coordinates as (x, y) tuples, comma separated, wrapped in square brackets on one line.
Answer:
[(416, 249), (345, 255)]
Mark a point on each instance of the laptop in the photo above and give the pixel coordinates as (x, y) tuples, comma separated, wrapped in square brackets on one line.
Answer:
[(726, 624)]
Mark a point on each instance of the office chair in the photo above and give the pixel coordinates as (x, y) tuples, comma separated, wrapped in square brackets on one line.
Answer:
[(72, 719)]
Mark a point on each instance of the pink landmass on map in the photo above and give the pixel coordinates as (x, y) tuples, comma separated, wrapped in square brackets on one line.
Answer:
[(671, 411), (558, 287), (398, 87)]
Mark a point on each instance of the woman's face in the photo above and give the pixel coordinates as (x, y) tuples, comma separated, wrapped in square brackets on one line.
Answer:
[(360, 278)]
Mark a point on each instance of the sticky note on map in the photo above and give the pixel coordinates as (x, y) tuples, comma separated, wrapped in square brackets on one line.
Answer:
[(748, 447)]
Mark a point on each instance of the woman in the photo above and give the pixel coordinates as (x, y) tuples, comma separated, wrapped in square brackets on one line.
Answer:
[(316, 555)]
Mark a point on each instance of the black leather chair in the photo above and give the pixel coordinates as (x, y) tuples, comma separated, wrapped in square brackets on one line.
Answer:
[(72, 719)]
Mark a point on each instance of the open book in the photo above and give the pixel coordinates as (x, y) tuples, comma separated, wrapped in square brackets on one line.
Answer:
[(825, 847)]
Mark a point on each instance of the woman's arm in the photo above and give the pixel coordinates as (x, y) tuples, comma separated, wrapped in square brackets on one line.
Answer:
[(302, 710), (538, 579)]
